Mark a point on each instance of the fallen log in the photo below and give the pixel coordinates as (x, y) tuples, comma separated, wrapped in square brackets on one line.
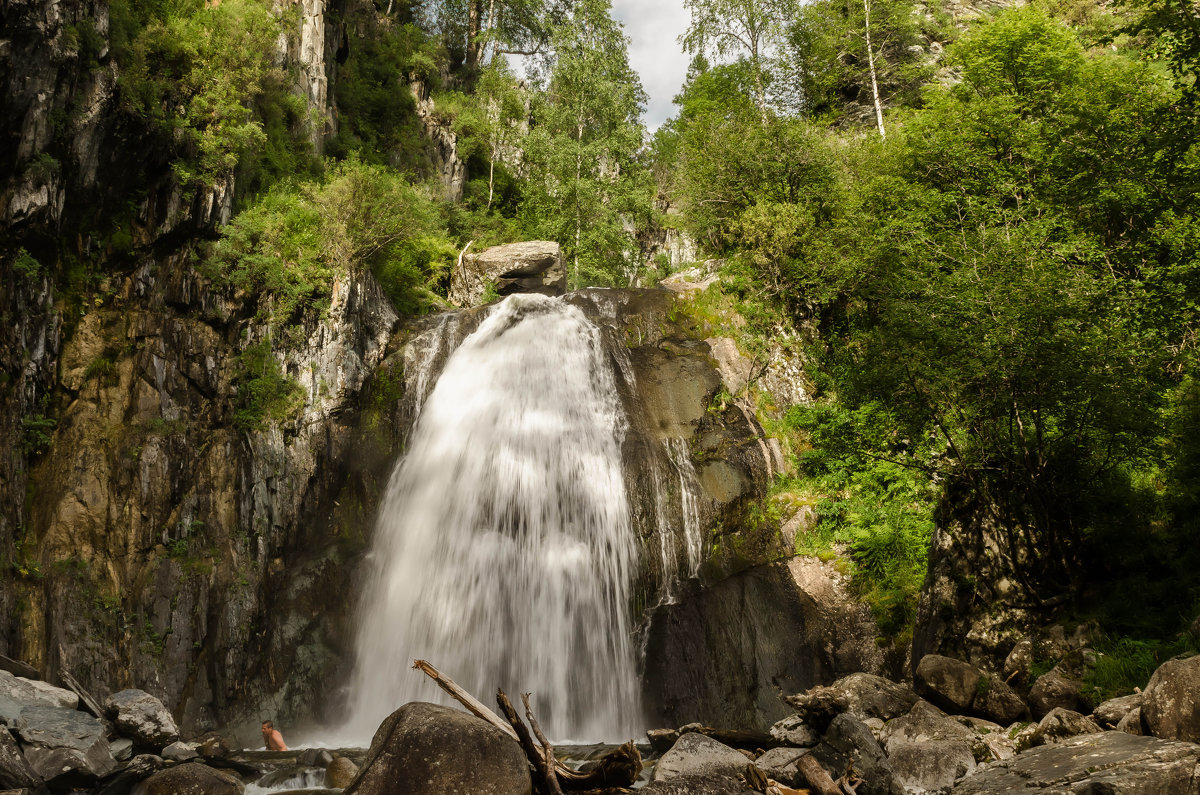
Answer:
[(18, 668), (85, 697)]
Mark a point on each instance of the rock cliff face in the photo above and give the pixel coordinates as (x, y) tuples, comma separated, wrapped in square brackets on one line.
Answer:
[(153, 537)]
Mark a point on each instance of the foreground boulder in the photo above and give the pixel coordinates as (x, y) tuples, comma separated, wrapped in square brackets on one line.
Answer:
[(1171, 702), (191, 778), (532, 267), (927, 750), (142, 718), (850, 743), (948, 683), (1112, 763), (426, 749), (695, 755), (64, 746)]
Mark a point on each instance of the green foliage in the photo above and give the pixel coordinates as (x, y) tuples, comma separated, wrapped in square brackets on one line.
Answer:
[(38, 433), (201, 73), (874, 499), (377, 112), (291, 244), (264, 393), (26, 266), (828, 68), (1124, 664), (585, 183)]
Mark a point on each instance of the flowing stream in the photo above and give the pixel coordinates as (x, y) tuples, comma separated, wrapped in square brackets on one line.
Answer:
[(504, 552)]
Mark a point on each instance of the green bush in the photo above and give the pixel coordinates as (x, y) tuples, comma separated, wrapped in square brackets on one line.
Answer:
[(264, 393), (291, 245)]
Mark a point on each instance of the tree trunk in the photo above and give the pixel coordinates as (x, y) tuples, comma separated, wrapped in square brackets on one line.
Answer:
[(871, 64), (473, 33)]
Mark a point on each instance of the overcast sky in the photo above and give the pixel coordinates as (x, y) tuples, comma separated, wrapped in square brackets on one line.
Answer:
[(655, 26)]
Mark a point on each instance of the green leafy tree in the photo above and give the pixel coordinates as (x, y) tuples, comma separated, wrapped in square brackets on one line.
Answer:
[(833, 67), (585, 185), (728, 27)]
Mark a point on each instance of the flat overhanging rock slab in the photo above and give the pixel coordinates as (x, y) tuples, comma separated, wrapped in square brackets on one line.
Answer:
[(1112, 762)]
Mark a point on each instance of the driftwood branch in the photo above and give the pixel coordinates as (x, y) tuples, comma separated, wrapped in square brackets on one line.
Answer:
[(543, 766), (619, 768), (473, 705), (547, 749), (820, 781)]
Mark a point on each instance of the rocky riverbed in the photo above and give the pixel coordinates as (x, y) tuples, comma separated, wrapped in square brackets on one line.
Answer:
[(954, 729)]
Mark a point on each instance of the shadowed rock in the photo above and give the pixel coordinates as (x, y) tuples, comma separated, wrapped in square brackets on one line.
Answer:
[(426, 749), (1169, 704)]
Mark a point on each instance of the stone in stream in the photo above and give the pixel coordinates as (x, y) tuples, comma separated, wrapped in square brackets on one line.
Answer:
[(142, 718), (1171, 701), (1109, 763), (190, 778), (181, 751), (64, 745), (340, 772), (426, 749)]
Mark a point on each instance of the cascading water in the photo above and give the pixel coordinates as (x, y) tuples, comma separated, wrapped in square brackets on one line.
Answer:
[(504, 552)]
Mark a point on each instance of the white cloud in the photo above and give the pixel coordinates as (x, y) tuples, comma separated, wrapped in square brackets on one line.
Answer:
[(655, 27)]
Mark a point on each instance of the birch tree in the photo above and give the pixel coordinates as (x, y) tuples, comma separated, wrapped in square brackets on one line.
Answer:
[(730, 27), (585, 186)]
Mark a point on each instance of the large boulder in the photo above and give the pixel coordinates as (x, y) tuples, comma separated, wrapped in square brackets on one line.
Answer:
[(142, 718), (190, 778), (1055, 689), (531, 267), (64, 746), (696, 755), (15, 772), (1171, 701), (1061, 724), (849, 742), (426, 749), (927, 750), (949, 683), (16, 693), (722, 656), (1112, 763), (996, 701)]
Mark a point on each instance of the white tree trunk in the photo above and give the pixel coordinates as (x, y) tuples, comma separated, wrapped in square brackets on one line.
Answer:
[(871, 64)]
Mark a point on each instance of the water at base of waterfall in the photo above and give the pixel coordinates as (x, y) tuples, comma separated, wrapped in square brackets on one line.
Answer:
[(504, 552)]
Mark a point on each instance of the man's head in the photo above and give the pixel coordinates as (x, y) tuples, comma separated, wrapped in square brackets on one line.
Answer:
[(267, 725)]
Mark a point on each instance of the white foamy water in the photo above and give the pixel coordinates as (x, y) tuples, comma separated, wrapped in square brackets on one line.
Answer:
[(504, 553)]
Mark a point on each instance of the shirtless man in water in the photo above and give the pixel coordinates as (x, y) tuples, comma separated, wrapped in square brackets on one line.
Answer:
[(272, 738)]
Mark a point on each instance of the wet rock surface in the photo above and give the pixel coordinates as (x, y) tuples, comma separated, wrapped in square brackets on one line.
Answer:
[(696, 756)]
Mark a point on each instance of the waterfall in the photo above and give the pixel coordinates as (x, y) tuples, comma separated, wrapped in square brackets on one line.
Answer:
[(504, 552)]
